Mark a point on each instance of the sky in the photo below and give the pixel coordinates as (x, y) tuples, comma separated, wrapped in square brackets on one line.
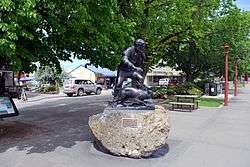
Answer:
[(67, 66), (243, 4)]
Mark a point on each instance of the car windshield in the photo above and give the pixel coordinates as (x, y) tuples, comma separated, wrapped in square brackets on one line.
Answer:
[(68, 82)]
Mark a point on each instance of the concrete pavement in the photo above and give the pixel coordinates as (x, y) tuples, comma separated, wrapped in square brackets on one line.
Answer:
[(43, 98), (204, 138)]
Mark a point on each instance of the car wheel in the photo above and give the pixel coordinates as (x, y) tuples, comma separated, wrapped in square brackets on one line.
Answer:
[(70, 94), (98, 91), (80, 92)]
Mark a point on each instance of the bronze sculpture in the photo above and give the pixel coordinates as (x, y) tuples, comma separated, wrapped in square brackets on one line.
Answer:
[(131, 126), (135, 93)]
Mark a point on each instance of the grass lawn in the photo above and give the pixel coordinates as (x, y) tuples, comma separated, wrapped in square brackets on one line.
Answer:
[(240, 85), (205, 102)]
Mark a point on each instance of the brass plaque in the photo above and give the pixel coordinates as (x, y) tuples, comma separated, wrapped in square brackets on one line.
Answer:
[(129, 122)]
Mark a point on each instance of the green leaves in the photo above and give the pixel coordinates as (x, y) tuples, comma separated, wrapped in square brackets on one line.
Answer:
[(187, 34), (46, 74), (7, 5)]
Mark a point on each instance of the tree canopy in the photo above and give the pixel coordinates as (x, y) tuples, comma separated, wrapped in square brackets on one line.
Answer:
[(47, 31), (50, 75), (188, 35)]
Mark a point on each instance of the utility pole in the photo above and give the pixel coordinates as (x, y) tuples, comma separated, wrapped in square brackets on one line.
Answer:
[(226, 51), (236, 78)]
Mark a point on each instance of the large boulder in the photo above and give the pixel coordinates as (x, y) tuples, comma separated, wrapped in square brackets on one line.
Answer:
[(131, 133)]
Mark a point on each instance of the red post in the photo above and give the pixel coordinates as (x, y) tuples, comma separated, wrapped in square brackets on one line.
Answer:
[(226, 50), (236, 79)]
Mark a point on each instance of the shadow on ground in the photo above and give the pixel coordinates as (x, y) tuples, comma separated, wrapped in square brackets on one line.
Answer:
[(40, 131), (160, 152)]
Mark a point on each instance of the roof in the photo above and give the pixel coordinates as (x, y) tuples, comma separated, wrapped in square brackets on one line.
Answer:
[(164, 71), (104, 71), (98, 70)]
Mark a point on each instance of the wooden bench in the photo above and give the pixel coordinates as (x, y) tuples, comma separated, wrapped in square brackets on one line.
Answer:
[(180, 105)]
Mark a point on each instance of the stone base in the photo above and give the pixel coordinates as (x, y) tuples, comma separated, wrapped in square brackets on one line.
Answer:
[(131, 133)]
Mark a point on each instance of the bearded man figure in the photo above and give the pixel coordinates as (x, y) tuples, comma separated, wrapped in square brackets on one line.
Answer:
[(132, 66)]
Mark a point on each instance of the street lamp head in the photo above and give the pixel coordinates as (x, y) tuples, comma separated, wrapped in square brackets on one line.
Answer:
[(226, 48)]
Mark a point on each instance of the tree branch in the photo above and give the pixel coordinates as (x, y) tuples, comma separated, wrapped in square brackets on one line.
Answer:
[(165, 39), (148, 2)]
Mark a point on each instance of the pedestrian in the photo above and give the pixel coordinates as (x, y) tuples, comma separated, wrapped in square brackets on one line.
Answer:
[(23, 95)]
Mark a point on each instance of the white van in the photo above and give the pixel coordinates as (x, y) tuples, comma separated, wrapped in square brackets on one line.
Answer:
[(164, 82), (81, 86)]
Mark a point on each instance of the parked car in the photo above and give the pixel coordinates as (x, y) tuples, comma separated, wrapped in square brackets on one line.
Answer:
[(80, 87), (164, 81), (173, 82)]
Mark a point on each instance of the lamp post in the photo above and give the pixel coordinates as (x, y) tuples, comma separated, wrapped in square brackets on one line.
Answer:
[(226, 51), (236, 78)]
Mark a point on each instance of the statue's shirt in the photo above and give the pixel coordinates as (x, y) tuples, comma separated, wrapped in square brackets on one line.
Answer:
[(135, 58)]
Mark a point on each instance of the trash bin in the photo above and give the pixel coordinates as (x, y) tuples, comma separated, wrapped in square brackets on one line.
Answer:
[(213, 89), (207, 89), (219, 88)]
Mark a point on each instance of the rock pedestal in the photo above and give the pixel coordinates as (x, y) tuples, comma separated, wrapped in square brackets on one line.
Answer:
[(131, 133)]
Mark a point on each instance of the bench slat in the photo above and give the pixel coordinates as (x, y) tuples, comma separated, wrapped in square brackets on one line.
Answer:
[(180, 103)]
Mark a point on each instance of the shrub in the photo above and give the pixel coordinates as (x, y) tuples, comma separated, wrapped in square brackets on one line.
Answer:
[(201, 84), (192, 89), (49, 89), (162, 92), (187, 89), (180, 90)]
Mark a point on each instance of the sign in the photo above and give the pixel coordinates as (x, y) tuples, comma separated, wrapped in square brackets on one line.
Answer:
[(8, 78), (7, 107), (129, 122)]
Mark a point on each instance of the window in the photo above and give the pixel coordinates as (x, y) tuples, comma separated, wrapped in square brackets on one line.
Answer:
[(84, 82), (78, 82), (89, 82), (68, 82)]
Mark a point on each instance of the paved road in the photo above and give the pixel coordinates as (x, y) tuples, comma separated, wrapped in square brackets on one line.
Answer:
[(55, 133)]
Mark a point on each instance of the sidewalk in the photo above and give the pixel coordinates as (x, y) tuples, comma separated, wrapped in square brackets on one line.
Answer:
[(212, 137), (203, 138), (36, 99), (43, 98)]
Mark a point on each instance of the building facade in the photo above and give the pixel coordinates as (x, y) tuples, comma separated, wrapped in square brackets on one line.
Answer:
[(98, 75), (83, 73), (107, 77), (154, 75)]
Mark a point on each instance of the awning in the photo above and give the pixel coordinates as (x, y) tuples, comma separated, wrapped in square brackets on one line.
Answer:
[(27, 78)]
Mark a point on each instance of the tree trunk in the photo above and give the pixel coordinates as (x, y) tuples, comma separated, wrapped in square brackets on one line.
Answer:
[(3, 64), (18, 77), (125, 7), (189, 73), (189, 77)]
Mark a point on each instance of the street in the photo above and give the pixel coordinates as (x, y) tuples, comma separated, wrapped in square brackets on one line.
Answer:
[(55, 133), (44, 125)]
